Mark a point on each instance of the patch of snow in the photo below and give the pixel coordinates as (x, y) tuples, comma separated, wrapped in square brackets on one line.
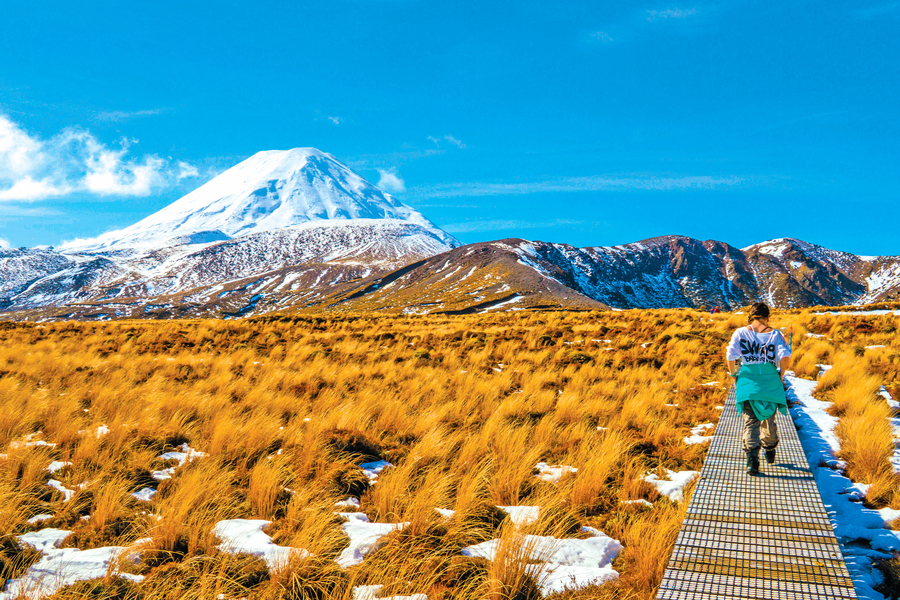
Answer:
[(852, 521), (640, 501), (56, 465), (673, 487), (45, 539), (246, 536), (697, 436), (185, 455), (445, 512), (58, 568), (560, 564), (146, 494), (365, 537), (522, 515), (859, 312), (370, 592), (66, 492), (373, 469), (38, 518), (348, 503), (553, 473), (874, 347)]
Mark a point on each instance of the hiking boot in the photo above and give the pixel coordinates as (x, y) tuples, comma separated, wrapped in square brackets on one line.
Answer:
[(753, 462), (770, 455)]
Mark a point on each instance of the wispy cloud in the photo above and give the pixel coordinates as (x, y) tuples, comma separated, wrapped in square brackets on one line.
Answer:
[(116, 116), (641, 23), (579, 184), (390, 182), (437, 141), (75, 161), (506, 225), (336, 120), (3, 244), (879, 10), (670, 13)]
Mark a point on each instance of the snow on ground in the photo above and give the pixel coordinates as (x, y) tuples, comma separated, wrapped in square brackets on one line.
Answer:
[(66, 492), (895, 427), (185, 455), (522, 515), (560, 564), (45, 539), (697, 436), (146, 494), (365, 537), (246, 535), (373, 469), (859, 312), (38, 518), (553, 473), (58, 568), (56, 465), (348, 503), (861, 531), (673, 486), (370, 592), (639, 501)]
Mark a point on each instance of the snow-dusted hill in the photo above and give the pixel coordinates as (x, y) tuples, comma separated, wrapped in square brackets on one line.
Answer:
[(276, 210), (663, 272)]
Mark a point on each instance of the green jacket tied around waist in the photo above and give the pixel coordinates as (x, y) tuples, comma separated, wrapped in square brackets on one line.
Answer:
[(761, 386)]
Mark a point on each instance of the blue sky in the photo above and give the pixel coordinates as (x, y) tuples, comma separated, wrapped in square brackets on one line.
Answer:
[(589, 123)]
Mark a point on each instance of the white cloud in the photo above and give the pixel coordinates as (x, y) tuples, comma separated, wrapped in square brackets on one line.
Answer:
[(602, 36), (75, 161), (122, 115), (670, 13), (390, 182), (447, 138), (336, 120), (454, 141), (580, 184), (3, 244)]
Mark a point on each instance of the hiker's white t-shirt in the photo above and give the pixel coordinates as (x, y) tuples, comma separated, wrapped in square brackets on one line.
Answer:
[(758, 348)]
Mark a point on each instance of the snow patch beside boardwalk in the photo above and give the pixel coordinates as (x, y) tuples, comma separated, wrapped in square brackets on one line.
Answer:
[(861, 531), (673, 486)]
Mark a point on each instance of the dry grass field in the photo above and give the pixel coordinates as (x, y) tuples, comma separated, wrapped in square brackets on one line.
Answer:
[(285, 409)]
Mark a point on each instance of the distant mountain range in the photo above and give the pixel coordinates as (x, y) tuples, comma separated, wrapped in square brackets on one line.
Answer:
[(298, 231)]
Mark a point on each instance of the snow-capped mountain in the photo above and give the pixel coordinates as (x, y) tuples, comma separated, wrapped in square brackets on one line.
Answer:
[(270, 190), (276, 210)]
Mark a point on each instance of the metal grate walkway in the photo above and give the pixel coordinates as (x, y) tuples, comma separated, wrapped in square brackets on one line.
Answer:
[(755, 537)]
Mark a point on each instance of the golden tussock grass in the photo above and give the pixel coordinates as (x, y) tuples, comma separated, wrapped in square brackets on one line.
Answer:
[(462, 407)]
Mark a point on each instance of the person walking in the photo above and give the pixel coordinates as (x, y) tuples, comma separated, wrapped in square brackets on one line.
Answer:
[(760, 388)]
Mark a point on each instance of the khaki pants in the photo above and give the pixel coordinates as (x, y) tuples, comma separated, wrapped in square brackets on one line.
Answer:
[(756, 431)]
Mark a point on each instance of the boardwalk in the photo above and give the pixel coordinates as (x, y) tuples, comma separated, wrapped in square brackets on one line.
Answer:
[(755, 537)]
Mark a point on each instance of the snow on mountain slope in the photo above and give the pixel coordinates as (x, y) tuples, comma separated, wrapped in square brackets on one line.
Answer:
[(270, 190), (273, 212)]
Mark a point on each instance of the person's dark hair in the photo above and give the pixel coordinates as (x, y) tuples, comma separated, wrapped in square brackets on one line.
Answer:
[(758, 311)]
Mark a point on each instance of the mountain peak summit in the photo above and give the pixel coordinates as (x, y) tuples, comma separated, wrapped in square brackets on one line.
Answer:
[(272, 189)]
